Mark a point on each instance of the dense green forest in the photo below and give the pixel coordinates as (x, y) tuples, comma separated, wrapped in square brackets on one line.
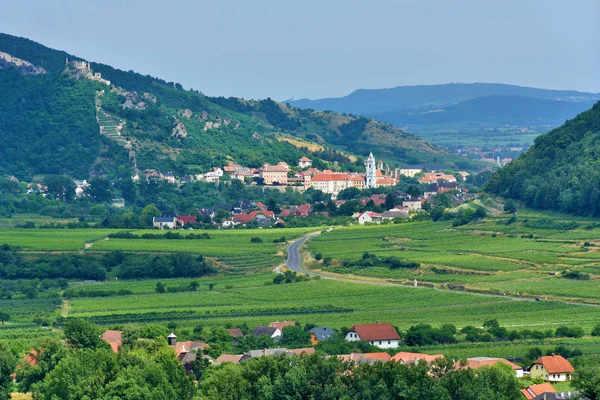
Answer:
[(561, 170)]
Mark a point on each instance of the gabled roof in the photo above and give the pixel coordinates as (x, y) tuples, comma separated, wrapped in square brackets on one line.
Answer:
[(304, 159), (378, 331), (186, 347), (236, 333), (435, 187), (164, 219), (324, 177), (477, 362), (305, 350), (187, 219), (535, 390), (555, 364), (229, 358), (114, 339), (323, 333), (281, 325), (263, 330), (406, 357)]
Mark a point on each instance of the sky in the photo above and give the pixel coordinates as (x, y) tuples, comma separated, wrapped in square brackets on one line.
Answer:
[(324, 48)]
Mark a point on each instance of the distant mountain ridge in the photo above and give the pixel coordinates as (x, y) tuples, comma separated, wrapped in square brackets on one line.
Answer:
[(66, 121), (491, 111), (365, 101)]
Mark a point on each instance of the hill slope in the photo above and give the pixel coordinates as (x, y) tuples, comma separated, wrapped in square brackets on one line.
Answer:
[(76, 124), (561, 171)]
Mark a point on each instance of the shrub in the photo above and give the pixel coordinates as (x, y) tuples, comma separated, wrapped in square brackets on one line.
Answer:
[(256, 239)]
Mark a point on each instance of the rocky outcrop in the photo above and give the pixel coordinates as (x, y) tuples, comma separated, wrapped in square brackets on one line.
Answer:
[(185, 113), (179, 131), (27, 68)]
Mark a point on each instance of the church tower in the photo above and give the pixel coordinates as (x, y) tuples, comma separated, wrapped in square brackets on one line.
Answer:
[(370, 177)]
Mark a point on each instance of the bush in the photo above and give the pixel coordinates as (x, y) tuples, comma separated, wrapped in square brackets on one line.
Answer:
[(565, 331), (596, 330), (256, 240), (576, 275), (318, 256)]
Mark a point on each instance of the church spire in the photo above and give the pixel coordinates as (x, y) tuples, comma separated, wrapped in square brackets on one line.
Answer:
[(370, 176)]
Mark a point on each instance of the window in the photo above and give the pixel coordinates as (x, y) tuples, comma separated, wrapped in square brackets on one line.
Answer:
[(389, 342), (380, 342)]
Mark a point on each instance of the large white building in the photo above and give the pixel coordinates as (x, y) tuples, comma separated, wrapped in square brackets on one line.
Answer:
[(371, 174)]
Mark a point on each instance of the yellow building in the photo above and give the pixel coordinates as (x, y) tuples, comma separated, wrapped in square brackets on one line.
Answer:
[(552, 368)]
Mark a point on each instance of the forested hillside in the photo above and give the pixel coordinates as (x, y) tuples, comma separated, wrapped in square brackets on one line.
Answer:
[(561, 171), (66, 121)]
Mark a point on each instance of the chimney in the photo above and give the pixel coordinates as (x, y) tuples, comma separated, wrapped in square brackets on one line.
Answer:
[(172, 339)]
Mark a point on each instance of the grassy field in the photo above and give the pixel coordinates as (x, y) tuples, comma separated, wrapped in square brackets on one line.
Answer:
[(487, 256), (483, 256)]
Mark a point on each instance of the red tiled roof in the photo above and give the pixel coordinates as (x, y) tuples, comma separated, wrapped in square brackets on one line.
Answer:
[(245, 218), (306, 350), (378, 331), (229, 358), (323, 177), (535, 390), (478, 362), (236, 333), (304, 159), (187, 219), (555, 364), (229, 168), (114, 339), (406, 357), (185, 347), (281, 325)]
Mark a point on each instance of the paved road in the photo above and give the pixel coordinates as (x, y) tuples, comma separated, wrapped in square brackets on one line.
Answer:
[(294, 262)]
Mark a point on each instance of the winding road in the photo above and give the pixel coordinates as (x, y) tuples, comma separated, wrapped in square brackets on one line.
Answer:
[(294, 260)]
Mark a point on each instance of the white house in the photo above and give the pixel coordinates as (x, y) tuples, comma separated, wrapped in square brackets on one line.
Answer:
[(382, 335), (164, 222), (304, 162), (369, 216), (412, 204)]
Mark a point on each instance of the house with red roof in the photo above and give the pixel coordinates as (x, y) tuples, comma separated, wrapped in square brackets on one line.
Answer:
[(184, 220), (533, 391), (114, 339), (413, 358), (554, 368), (478, 362), (369, 216), (304, 162), (274, 174), (281, 325), (381, 334), (262, 218)]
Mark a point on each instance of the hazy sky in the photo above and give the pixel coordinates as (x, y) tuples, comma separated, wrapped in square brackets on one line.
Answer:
[(324, 48)]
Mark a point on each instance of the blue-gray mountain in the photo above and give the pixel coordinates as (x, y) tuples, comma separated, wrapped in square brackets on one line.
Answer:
[(476, 104)]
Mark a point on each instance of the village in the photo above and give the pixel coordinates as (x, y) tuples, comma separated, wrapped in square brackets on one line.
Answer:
[(376, 208), (543, 371)]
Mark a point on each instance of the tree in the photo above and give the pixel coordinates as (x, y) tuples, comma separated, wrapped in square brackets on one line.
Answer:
[(4, 317), (7, 367), (148, 213), (211, 286), (294, 337), (81, 334), (596, 330), (510, 206), (160, 287), (587, 380), (60, 187), (194, 285), (389, 202), (100, 190)]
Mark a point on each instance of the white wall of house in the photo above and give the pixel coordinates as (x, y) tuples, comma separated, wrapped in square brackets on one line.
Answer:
[(382, 344)]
